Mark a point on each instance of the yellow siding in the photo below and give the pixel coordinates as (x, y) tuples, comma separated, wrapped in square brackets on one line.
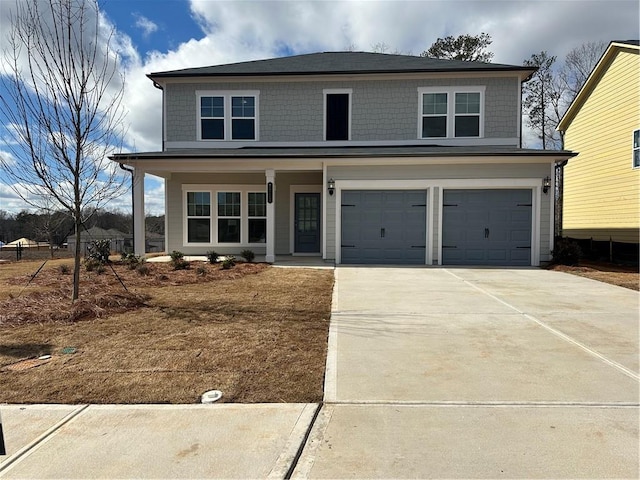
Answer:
[(601, 189)]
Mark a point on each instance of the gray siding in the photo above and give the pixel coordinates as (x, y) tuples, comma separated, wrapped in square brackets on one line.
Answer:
[(435, 172), (382, 110)]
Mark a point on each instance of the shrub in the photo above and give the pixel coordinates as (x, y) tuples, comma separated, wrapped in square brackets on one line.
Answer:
[(143, 269), (180, 264), (248, 255), (212, 256), (176, 255), (131, 260), (228, 262), (177, 261), (99, 250), (566, 252), (64, 269)]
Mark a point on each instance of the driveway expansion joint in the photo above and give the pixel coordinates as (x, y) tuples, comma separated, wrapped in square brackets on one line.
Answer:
[(554, 331), (25, 451)]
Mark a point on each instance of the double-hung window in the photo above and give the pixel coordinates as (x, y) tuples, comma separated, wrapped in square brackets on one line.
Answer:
[(230, 116), (212, 118), (451, 112), (257, 217), (434, 114), (467, 114), (198, 217), (229, 217), (636, 149)]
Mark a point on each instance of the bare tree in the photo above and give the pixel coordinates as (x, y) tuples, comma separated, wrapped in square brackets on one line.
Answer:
[(578, 65), (61, 108), (543, 100)]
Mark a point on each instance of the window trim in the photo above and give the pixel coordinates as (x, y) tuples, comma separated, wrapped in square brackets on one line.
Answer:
[(635, 149), (213, 190), (451, 109), (228, 118), (336, 91)]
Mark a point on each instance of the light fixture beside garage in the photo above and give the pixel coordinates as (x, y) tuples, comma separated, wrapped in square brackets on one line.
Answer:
[(546, 184), (331, 186)]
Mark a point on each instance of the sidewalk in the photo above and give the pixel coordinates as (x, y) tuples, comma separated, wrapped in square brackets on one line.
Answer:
[(152, 441)]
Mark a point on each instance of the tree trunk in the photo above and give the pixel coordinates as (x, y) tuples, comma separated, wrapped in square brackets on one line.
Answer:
[(76, 261)]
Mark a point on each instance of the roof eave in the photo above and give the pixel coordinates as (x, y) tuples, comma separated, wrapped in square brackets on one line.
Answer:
[(163, 75)]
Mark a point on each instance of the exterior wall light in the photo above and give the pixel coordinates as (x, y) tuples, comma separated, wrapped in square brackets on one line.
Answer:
[(546, 184), (331, 185)]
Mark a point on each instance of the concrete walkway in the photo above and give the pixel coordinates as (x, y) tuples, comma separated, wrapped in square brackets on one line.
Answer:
[(153, 441), (477, 373), (431, 373)]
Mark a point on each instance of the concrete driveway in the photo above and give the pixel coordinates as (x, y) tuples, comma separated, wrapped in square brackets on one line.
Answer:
[(477, 373)]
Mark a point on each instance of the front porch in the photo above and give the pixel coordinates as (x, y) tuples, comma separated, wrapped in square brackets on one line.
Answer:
[(276, 213)]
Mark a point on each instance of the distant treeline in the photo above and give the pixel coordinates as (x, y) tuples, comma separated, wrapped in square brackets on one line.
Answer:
[(57, 226)]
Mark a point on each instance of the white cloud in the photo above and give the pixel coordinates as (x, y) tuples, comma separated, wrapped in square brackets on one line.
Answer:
[(248, 30), (146, 25)]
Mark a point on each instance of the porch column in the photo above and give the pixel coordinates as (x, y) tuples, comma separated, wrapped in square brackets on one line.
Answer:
[(138, 212), (271, 216)]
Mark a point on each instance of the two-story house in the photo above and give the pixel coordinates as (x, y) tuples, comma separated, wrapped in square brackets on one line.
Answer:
[(356, 157), (602, 184)]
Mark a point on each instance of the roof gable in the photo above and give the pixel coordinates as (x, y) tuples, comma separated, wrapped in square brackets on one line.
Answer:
[(340, 63), (595, 76)]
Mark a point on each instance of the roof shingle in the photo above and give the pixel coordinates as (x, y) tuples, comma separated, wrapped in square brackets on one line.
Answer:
[(339, 63)]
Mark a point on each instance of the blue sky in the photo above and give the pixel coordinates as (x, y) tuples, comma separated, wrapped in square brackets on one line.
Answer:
[(160, 25), (157, 35)]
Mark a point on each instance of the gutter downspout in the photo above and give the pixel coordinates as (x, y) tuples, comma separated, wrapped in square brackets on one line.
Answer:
[(133, 212), (159, 87)]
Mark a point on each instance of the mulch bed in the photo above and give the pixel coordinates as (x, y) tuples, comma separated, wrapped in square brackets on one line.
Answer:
[(46, 297)]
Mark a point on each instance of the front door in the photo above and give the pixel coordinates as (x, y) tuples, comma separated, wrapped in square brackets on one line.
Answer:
[(307, 223)]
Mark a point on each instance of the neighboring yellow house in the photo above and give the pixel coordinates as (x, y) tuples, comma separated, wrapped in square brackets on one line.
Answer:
[(602, 183)]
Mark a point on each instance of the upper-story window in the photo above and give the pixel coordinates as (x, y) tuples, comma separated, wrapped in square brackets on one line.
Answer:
[(227, 115), (636, 149), (337, 114), (451, 112)]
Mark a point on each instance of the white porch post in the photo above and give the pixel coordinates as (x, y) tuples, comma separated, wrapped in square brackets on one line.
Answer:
[(138, 212), (271, 215)]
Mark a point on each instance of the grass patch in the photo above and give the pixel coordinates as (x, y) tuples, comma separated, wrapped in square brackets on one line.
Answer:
[(256, 333)]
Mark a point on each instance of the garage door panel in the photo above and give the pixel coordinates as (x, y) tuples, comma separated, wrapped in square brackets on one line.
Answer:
[(497, 255), (523, 236), (384, 227), (491, 227)]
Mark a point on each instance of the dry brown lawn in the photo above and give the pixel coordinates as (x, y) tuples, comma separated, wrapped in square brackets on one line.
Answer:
[(623, 276), (257, 333)]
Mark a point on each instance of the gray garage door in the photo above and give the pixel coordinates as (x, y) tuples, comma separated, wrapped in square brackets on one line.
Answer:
[(383, 227), (486, 227)]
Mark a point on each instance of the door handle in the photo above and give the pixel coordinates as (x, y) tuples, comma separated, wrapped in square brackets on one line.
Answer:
[(486, 233), (382, 233)]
